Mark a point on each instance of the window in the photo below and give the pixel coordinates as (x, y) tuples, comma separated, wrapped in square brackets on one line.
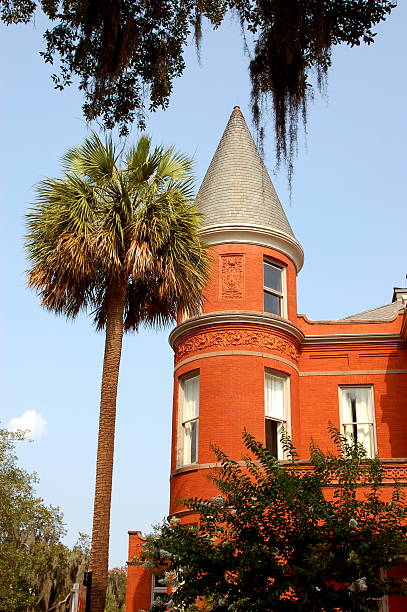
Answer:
[(273, 288), (357, 416), (189, 410), (276, 400), (157, 588)]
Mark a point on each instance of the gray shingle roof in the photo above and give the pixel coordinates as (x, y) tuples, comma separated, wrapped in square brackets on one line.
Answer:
[(237, 188), (388, 311)]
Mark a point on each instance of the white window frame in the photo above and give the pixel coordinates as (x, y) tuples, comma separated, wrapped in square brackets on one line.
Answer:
[(286, 421), (157, 590), (182, 421), (280, 294), (372, 452)]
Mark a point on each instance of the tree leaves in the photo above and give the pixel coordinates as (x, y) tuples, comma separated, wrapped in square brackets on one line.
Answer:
[(286, 537), (118, 215), (127, 54), (36, 569)]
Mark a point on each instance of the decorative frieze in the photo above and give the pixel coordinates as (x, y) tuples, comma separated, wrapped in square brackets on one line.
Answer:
[(231, 277), (395, 473), (391, 473), (268, 322), (256, 339)]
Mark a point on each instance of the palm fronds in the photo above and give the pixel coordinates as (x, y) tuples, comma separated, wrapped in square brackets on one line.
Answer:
[(118, 216)]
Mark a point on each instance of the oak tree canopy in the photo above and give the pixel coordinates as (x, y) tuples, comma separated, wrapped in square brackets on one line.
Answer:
[(127, 53), (36, 569)]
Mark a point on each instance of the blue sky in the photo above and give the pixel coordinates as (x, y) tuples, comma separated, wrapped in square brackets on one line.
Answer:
[(348, 210)]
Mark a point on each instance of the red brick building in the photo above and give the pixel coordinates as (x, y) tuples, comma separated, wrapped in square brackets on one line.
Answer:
[(249, 360)]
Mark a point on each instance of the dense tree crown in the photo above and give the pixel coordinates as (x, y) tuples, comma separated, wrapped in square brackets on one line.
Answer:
[(126, 53), (118, 217), (281, 538), (36, 569), (116, 590)]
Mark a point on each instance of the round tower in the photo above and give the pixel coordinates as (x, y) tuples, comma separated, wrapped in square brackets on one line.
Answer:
[(236, 363)]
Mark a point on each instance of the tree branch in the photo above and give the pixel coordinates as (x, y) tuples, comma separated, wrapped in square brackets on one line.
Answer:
[(56, 606)]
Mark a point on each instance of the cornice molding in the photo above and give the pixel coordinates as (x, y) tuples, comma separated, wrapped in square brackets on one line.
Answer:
[(271, 322), (319, 339), (348, 321), (274, 322), (353, 373), (404, 326), (255, 234)]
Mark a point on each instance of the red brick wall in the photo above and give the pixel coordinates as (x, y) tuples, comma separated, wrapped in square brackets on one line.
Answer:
[(349, 327), (232, 385), (138, 592), (231, 398), (364, 364), (253, 279)]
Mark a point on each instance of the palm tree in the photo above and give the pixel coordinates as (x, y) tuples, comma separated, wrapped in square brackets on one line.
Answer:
[(117, 234)]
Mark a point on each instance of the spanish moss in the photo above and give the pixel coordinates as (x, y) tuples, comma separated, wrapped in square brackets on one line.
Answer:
[(127, 53)]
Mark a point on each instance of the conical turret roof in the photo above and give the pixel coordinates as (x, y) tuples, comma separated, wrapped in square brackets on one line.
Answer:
[(237, 189)]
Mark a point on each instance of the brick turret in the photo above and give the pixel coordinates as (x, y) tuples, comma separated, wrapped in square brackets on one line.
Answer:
[(247, 326), (250, 361)]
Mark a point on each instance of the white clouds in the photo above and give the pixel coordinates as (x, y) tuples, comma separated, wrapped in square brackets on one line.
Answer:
[(30, 420)]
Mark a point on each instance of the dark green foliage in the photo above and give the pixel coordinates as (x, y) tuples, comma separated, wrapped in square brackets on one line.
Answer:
[(126, 53), (36, 569), (116, 590), (294, 39), (286, 538)]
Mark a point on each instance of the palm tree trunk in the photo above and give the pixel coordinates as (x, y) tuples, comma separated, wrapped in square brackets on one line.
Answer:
[(99, 557)]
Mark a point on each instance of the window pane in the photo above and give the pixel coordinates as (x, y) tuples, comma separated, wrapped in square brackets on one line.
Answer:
[(191, 398), (274, 396), (363, 408), (156, 580), (272, 303), (159, 595), (364, 436), (357, 417), (349, 433), (361, 434), (271, 436), (194, 441), (356, 405), (272, 277), (190, 442)]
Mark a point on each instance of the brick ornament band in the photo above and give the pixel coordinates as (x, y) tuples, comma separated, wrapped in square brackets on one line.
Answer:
[(257, 340)]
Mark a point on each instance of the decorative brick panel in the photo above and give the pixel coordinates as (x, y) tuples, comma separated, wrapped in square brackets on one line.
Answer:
[(231, 277)]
